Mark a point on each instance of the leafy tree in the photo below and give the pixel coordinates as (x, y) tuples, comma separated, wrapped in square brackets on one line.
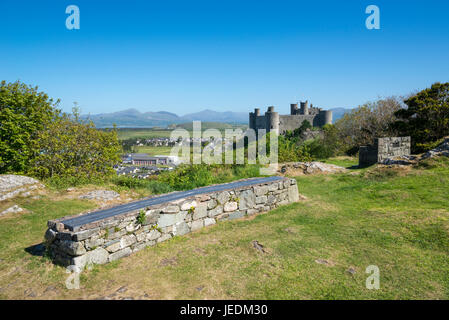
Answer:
[(296, 133), (425, 117), (327, 146), (23, 113), (289, 151), (367, 122), (71, 147), (303, 127)]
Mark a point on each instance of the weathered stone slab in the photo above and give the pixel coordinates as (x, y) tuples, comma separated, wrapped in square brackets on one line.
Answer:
[(230, 206), (223, 197), (166, 220), (181, 228), (127, 240), (72, 248), (200, 211), (120, 254), (113, 246), (247, 199)]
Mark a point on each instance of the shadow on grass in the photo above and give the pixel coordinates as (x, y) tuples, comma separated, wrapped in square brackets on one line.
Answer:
[(36, 250)]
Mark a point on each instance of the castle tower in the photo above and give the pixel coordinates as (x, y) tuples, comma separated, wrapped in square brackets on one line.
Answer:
[(305, 108), (325, 117), (253, 118), (293, 108), (272, 120)]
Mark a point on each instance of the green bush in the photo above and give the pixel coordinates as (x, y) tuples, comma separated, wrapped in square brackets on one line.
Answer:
[(70, 147), (187, 177), (64, 182), (155, 186), (426, 117), (24, 112)]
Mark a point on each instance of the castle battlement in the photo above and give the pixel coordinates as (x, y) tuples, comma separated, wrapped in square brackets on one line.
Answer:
[(272, 121)]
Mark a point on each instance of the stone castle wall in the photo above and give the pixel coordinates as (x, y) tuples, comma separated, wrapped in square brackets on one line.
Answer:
[(272, 121), (291, 122), (113, 238)]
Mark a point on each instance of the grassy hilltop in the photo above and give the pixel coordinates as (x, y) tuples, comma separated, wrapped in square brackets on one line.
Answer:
[(396, 219)]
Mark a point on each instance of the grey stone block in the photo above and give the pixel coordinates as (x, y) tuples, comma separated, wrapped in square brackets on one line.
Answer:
[(113, 246), (120, 254), (151, 216), (166, 220), (211, 204), (200, 211), (84, 234), (50, 236), (230, 206), (171, 209), (127, 240), (260, 190), (223, 197), (236, 215), (261, 199), (72, 248), (209, 222), (198, 224), (188, 204), (293, 195), (247, 199), (164, 237), (181, 229), (216, 211), (97, 256), (153, 235)]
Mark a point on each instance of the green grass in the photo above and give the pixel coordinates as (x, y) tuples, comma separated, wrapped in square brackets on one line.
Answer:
[(395, 219), (18, 268), (153, 151), (143, 133), (345, 162)]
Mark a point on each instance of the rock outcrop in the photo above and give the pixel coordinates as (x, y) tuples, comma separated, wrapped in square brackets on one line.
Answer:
[(12, 186), (314, 167), (104, 195), (441, 150), (14, 209)]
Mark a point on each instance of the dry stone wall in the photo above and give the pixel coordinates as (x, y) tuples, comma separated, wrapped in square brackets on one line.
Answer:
[(119, 236), (384, 149)]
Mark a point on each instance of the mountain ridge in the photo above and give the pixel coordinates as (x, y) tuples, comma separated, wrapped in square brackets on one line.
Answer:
[(131, 117)]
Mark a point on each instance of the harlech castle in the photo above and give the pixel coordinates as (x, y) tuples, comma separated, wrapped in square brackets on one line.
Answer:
[(272, 121)]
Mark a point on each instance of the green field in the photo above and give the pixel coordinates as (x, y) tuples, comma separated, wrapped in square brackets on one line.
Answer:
[(146, 133), (143, 133), (153, 151), (396, 219)]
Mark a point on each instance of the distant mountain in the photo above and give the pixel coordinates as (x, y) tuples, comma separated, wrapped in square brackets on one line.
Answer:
[(215, 116), (337, 113), (132, 118)]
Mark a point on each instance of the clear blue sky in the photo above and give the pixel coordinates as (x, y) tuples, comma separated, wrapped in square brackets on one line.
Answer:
[(185, 56)]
